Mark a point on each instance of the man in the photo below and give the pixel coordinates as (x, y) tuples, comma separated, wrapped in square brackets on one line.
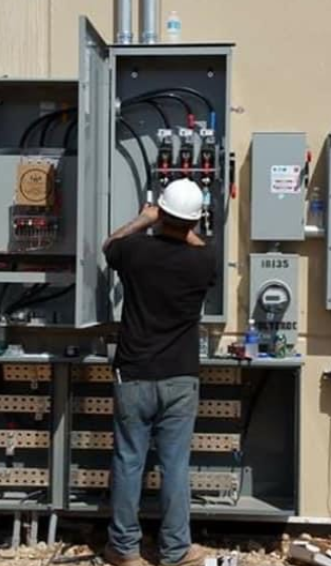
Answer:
[(165, 278)]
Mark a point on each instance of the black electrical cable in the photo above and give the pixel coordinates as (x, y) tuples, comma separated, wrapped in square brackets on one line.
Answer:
[(188, 108), (26, 296), (33, 494), (49, 297), (41, 120), (5, 287), (186, 90), (161, 112), (195, 94), (27, 293), (169, 95), (72, 125), (45, 129), (155, 105), (256, 396), (47, 125), (142, 149)]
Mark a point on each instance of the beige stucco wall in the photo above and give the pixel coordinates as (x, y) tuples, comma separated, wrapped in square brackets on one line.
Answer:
[(282, 78)]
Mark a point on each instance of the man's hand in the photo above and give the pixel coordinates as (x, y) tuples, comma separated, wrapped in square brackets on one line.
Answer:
[(148, 216), (151, 212)]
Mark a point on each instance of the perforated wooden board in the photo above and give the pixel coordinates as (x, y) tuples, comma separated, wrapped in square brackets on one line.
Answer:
[(24, 439), (208, 375), (27, 477), (216, 442), (93, 405), (27, 372), (92, 373), (89, 440), (24, 404), (220, 376), (220, 409), (207, 407), (199, 481)]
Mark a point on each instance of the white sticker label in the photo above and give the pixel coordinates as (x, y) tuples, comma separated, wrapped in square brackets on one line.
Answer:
[(285, 179)]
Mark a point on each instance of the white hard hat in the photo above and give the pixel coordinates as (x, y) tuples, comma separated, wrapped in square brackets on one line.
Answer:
[(183, 199)]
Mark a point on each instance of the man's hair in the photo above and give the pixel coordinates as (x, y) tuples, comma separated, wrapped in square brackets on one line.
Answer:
[(178, 223)]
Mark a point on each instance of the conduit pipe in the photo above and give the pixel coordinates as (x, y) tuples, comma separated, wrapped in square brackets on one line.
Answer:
[(149, 18), (123, 21)]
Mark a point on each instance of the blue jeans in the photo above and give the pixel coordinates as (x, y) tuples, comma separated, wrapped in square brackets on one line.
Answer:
[(168, 408)]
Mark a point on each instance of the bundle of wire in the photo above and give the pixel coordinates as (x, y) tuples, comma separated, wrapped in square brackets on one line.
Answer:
[(151, 99)]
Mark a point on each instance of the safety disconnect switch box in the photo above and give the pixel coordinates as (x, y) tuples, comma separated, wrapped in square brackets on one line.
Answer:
[(278, 186)]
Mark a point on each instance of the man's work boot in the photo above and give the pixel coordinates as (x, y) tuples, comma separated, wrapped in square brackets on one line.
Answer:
[(195, 556), (114, 558)]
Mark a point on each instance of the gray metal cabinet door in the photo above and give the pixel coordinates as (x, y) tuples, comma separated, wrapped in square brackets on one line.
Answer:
[(93, 177)]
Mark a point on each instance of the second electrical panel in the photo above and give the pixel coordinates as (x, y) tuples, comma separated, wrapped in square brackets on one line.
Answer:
[(279, 165)]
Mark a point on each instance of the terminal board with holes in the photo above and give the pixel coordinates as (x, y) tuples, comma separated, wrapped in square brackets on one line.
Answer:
[(225, 462), (233, 461), (25, 432), (215, 441)]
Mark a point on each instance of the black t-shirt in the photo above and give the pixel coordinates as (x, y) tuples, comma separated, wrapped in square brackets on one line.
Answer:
[(164, 281)]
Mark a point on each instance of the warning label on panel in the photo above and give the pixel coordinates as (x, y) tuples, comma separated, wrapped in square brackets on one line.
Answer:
[(285, 179)]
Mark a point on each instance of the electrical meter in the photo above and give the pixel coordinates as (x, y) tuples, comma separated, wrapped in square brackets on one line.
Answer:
[(275, 297)]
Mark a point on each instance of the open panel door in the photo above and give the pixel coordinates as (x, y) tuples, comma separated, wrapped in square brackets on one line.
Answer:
[(93, 177)]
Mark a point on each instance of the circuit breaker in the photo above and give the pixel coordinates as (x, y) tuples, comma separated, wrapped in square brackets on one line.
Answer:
[(274, 295), (279, 171)]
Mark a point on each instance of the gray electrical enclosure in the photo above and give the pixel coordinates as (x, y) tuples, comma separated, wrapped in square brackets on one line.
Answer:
[(38, 229), (124, 74), (274, 295), (278, 186)]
